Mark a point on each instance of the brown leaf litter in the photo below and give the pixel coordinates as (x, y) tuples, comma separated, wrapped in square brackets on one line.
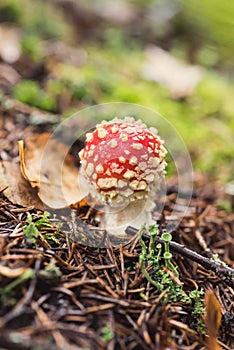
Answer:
[(16, 188), (73, 293)]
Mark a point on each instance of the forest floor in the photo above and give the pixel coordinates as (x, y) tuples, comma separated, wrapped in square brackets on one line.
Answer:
[(58, 290)]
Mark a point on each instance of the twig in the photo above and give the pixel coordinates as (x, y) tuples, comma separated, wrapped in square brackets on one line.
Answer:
[(224, 272)]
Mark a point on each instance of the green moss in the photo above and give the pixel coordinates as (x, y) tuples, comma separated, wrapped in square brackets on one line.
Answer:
[(30, 92), (36, 18), (43, 19), (10, 11), (107, 334), (31, 46), (212, 21)]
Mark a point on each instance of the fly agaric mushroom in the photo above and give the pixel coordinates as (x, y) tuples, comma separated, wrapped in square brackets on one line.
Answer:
[(122, 163)]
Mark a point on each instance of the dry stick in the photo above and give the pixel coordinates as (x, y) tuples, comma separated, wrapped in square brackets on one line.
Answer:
[(224, 272)]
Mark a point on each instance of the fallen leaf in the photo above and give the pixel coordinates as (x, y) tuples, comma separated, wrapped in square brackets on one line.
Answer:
[(178, 77), (31, 167), (16, 188), (212, 320), (47, 164), (12, 273)]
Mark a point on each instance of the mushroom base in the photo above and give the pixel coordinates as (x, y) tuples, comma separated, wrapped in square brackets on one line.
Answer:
[(135, 214)]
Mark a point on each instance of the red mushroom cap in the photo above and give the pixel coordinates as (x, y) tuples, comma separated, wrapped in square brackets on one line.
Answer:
[(122, 160)]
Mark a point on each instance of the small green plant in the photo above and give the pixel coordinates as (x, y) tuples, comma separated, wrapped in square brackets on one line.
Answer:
[(217, 259), (153, 256), (31, 230), (5, 293), (224, 204), (167, 237), (10, 11), (106, 333), (51, 271), (165, 275), (31, 45), (30, 92), (196, 297), (52, 237)]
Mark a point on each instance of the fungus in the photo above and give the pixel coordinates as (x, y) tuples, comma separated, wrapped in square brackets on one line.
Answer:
[(123, 163)]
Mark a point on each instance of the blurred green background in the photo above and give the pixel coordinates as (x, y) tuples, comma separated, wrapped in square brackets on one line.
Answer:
[(72, 54)]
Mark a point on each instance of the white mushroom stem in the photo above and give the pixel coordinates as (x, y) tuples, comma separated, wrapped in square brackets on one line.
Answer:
[(135, 214)]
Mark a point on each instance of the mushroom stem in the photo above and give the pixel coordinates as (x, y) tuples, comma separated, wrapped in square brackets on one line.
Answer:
[(134, 214)]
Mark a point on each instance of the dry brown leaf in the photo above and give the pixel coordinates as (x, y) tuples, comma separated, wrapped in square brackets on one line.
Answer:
[(212, 320), (17, 189), (47, 164), (12, 273), (31, 167)]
